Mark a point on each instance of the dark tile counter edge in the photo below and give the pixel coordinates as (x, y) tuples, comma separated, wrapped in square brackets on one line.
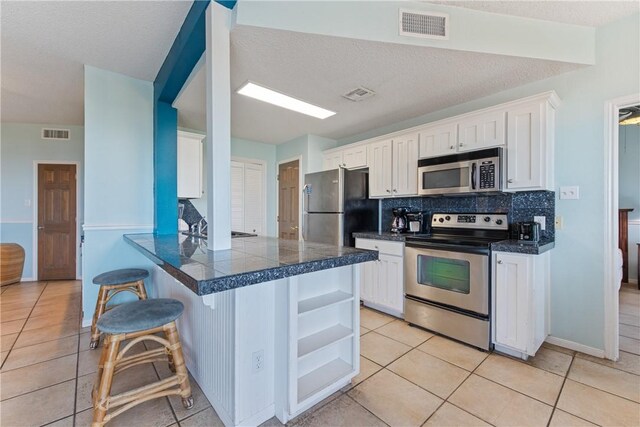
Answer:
[(380, 236), (221, 284)]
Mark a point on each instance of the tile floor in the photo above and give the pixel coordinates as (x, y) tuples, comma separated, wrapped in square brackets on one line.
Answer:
[(409, 377)]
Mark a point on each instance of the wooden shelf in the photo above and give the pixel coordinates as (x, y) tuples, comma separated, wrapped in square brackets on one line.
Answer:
[(322, 377), (314, 342), (322, 301)]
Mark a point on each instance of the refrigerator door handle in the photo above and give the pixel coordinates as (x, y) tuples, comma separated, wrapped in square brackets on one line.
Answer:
[(305, 195)]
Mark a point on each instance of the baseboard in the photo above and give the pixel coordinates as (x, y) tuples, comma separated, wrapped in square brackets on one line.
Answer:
[(576, 346), (86, 322), (259, 418), (28, 279)]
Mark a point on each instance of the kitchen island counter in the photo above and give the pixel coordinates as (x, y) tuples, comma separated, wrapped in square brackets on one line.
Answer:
[(250, 260)]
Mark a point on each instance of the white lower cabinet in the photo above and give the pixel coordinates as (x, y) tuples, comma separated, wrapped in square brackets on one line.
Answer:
[(382, 281), (520, 313)]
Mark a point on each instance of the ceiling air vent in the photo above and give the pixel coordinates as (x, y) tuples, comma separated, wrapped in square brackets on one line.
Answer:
[(55, 133), (429, 25), (358, 94)]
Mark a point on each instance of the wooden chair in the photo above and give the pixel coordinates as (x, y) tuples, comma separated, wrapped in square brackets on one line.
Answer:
[(112, 283), (139, 321)]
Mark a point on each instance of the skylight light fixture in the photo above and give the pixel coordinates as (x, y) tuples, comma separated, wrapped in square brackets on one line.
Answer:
[(264, 94)]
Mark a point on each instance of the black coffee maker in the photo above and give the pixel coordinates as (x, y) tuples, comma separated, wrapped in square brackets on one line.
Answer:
[(400, 224)]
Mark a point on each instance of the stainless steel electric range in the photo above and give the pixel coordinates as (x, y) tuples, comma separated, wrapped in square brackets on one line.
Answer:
[(448, 275)]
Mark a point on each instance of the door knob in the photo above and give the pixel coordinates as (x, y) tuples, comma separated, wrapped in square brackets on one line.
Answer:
[(41, 227), (510, 181), (294, 228), (499, 261)]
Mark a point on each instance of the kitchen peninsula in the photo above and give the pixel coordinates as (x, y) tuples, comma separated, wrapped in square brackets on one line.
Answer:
[(271, 327)]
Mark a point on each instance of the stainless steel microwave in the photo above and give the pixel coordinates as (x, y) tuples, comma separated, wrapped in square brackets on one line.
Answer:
[(473, 172)]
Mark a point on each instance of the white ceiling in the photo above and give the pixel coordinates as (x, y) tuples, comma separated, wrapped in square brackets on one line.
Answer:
[(45, 44), (409, 81), (588, 13)]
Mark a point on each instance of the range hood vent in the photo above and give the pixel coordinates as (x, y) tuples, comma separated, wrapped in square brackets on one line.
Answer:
[(56, 134), (358, 94), (429, 25)]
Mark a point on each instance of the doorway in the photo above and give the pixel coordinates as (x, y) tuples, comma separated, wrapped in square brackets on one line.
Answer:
[(56, 221), (289, 200)]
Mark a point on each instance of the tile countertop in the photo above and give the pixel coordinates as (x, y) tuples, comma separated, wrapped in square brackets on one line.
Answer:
[(514, 246), (250, 260)]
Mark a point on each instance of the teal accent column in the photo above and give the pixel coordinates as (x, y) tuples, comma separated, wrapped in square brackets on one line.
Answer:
[(165, 168)]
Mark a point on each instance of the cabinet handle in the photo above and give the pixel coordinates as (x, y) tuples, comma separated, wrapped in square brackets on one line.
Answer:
[(376, 247), (461, 144), (510, 181), (395, 191), (499, 261), (452, 147), (388, 191)]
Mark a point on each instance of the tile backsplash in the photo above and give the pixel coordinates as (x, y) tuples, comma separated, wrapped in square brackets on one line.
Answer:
[(521, 206)]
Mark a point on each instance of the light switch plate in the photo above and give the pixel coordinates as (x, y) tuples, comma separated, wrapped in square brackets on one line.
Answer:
[(570, 192), (542, 220)]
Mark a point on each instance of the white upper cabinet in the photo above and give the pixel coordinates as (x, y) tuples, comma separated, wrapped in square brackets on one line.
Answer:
[(189, 165), (355, 157), (482, 130), (380, 165), (332, 160), (405, 165), (438, 140)]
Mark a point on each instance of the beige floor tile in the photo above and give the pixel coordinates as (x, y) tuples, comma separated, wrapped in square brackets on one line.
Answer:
[(630, 345), (6, 341), (206, 418), (381, 349), (40, 407), (451, 416), (272, 422), (367, 368), (88, 361), (85, 340), (629, 309), (65, 422), (153, 413), (40, 352), (49, 320), (34, 377), (558, 348), (533, 382), (564, 419), (363, 330), (400, 330), (499, 405), (629, 319), (550, 360), (14, 314), (395, 400), (627, 362), (83, 391), (341, 412), (48, 333), (459, 354), (200, 401), (11, 327), (607, 379), (3, 356), (630, 331), (598, 406), (429, 372), (371, 319)]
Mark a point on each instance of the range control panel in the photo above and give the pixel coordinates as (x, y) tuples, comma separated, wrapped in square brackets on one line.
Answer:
[(478, 221)]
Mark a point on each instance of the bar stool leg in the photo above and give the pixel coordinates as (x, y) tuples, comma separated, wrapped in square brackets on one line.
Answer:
[(103, 294), (103, 390), (178, 362), (142, 292)]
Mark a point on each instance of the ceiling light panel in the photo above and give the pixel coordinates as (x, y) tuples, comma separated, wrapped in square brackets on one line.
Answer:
[(270, 96)]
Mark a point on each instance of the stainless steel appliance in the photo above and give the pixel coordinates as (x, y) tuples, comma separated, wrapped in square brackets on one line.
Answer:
[(472, 172), (527, 232), (448, 275), (415, 222), (400, 223), (335, 204)]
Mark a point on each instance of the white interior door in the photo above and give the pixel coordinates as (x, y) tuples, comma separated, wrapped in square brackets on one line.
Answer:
[(248, 198)]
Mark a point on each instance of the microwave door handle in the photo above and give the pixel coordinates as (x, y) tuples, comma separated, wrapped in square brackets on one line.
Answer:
[(474, 166)]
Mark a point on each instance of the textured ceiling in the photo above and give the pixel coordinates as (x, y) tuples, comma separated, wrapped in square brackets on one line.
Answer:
[(409, 81), (589, 13), (45, 44)]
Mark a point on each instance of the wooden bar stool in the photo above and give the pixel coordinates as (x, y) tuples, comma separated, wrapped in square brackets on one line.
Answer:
[(112, 283), (139, 321)]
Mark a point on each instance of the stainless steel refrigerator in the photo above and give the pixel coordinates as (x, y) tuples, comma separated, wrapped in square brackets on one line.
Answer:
[(336, 204)]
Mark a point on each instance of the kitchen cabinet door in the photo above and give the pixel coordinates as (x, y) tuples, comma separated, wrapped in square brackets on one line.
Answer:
[(355, 157), (524, 148), (380, 168), (405, 165), (332, 160), (481, 131), (189, 165), (438, 141), (369, 279), (512, 300), (390, 291)]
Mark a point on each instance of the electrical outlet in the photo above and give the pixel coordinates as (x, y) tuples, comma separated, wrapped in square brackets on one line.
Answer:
[(542, 220), (257, 361), (559, 222), (571, 192)]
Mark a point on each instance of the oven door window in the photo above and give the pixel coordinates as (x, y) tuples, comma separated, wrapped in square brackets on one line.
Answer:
[(444, 273), (445, 178)]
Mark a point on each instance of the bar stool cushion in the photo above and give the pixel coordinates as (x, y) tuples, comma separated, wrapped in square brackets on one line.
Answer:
[(118, 277), (140, 315)]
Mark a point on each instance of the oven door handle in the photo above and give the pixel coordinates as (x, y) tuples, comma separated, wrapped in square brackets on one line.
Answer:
[(477, 250), (474, 167)]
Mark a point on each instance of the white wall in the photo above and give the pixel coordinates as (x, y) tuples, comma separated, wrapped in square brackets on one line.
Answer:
[(629, 189), (21, 146), (119, 174), (577, 272)]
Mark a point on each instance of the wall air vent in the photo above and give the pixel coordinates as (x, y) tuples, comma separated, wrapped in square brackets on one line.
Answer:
[(55, 133), (358, 94), (429, 25)]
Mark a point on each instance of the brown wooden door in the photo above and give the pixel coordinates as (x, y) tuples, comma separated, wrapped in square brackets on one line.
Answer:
[(56, 222), (288, 200)]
